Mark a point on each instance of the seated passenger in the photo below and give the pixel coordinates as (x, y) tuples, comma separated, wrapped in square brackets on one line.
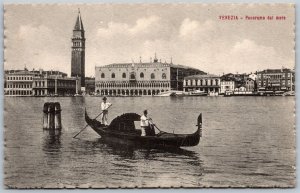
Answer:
[(147, 127)]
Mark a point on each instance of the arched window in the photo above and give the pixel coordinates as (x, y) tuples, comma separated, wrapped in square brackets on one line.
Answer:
[(124, 75), (142, 75), (164, 76), (152, 76), (132, 76), (102, 75), (113, 75)]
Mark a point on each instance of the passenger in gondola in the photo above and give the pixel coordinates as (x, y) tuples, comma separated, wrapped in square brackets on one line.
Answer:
[(147, 126), (104, 107)]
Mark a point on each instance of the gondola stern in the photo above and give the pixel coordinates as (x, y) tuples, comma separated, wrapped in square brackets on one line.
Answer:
[(194, 139), (199, 124)]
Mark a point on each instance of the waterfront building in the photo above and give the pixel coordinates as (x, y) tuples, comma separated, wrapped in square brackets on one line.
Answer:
[(239, 79), (78, 51), (137, 79), (250, 85), (55, 86), (202, 82), (39, 83), (227, 86), (276, 80), (89, 85), (18, 82), (253, 76), (240, 89)]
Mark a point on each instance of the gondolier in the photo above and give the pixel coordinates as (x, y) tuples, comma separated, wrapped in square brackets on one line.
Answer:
[(104, 107), (147, 127)]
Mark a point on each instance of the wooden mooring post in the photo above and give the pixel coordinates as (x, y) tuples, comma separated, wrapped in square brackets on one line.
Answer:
[(57, 113), (52, 115), (45, 115)]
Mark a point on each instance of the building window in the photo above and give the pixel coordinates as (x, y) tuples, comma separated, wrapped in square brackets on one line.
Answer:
[(132, 76), (113, 75), (141, 75), (152, 76), (164, 76), (124, 75), (102, 75)]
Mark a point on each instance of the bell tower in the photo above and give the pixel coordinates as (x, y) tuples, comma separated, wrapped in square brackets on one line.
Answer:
[(78, 51)]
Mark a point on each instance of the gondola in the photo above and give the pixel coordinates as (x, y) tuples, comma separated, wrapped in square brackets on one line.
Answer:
[(122, 130)]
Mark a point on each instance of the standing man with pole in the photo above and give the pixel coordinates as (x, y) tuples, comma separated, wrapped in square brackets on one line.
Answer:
[(147, 127), (104, 107)]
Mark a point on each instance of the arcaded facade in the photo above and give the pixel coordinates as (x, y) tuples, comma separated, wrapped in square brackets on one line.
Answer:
[(140, 79)]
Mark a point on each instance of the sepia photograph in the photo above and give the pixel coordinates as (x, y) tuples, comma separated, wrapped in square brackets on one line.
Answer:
[(174, 95)]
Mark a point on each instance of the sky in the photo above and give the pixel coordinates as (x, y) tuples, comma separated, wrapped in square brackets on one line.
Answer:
[(39, 36)]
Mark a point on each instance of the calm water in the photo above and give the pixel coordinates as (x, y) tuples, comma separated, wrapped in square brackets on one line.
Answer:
[(247, 141)]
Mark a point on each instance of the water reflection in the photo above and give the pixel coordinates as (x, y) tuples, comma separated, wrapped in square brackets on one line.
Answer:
[(234, 151), (52, 146), (173, 166), (130, 151), (116, 147)]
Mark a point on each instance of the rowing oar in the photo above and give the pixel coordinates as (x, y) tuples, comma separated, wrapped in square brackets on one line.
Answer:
[(88, 124), (155, 126)]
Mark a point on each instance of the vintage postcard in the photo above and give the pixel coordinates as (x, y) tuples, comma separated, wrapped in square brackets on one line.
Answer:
[(149, 95)]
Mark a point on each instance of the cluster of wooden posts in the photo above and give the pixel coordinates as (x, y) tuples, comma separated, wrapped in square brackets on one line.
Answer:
[(52, 115)]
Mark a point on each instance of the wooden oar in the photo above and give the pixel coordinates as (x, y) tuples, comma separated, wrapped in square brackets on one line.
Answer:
[(88, 124), (155, 126)]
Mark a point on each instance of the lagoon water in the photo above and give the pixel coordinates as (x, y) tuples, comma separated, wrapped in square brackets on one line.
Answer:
[(247, 142)]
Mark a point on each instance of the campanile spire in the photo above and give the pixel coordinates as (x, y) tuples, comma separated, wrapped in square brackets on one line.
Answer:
[(78, 51)]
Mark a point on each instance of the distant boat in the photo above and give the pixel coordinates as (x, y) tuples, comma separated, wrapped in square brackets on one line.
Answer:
[(213, 94), (179, 92), (166, 94), (289, 93), (197, 93), (228, 93)]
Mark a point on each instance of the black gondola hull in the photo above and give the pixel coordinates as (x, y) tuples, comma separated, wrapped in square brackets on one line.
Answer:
[(134, 137)]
